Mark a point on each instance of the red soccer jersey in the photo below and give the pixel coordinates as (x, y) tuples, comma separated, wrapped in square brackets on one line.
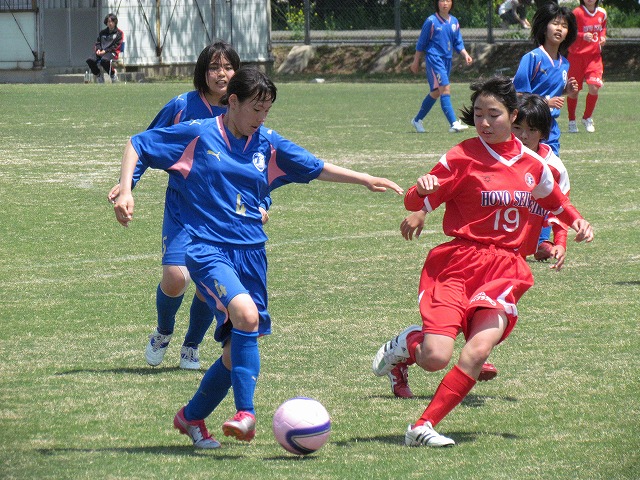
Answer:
[(561, 177), (594, 23), (493, 193)]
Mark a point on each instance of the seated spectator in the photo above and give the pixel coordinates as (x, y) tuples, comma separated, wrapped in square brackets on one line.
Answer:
[(107, 49), (514, 12)]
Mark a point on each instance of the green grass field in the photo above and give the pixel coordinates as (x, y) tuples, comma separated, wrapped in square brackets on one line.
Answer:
[(77, 292)]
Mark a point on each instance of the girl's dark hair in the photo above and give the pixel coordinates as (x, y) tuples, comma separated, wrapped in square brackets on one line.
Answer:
[(111, 16), (250, 83), (534, 111), (435, 5), (216, 51), (597, 3), (499, 87), (545, 15)]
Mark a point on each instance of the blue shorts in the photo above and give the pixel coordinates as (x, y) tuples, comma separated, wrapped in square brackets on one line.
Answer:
[(222, 272), (438, 69), (554, 137), (175, 238)]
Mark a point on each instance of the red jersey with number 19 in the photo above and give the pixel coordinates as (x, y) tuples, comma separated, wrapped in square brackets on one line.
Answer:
[(492, 193)]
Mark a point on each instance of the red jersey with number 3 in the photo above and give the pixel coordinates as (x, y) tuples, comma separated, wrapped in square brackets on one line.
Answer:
[(493, 192), (594, 23)]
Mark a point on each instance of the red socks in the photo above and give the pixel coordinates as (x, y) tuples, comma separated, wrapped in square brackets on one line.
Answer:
[(452, 389), (413, 340), (590, 105), (572, 104)]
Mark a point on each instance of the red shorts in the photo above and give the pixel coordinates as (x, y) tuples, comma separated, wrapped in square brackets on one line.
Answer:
[(586, 68), (461, 276)]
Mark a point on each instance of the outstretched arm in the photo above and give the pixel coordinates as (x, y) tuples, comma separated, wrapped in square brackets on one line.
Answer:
[(123, 204), (334, 173)]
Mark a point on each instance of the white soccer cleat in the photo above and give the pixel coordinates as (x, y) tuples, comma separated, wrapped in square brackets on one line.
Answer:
[(573, 126), (417, 124), (457, 126), (392, 352), (156, 348), (425, 436), (189, 358), (588, 125), (196, 430)]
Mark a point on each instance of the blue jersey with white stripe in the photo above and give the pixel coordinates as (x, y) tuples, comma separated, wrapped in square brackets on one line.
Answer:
[(186, 106), (223, 179), (440, 37), (539, 73)]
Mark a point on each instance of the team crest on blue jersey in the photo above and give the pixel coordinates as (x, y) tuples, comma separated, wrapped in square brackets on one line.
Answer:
[(528, 178), (259, 162)]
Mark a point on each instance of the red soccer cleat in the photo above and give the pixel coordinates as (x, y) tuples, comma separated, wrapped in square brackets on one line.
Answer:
[(242, 426), (195, 430), (488, 372), (399, 377)]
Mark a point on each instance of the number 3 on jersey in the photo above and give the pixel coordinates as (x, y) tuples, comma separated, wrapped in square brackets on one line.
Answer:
[(507, 219)]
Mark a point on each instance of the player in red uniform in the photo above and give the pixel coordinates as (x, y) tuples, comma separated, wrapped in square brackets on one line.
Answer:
[(492, 187), (585, 60)]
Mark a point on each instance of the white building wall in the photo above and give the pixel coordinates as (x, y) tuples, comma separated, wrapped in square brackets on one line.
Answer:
[(162, 32)]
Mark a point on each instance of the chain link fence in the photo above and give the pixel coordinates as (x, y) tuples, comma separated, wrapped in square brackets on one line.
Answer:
[(388, 22)]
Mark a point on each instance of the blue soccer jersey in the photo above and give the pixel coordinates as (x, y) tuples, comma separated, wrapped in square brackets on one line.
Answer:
[(223, 179), (540, 74), (440, 37), (186, 106)]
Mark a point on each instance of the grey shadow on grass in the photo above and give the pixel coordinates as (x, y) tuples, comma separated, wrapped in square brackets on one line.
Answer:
[(126, 370), (628, 283), (182, 450), (473, 401), (398, 439)]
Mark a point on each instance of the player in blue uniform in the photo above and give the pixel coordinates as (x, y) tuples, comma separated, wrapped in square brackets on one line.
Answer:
[(224, 167), (440, 35), (215, 66), (543, 71)]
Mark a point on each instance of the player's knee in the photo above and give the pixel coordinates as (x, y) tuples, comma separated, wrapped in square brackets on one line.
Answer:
[(432, 361), (175, 280)]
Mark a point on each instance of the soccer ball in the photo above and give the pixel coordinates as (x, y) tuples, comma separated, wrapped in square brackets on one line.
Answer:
[(301, 425)]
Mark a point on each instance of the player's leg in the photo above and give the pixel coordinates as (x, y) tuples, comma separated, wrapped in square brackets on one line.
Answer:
[(169, 295), (174, 282), (429, 100), (487, 328), (213, 388), (93, 66), (594, 82), (245, 366), (576, 70), (200, 319), (444, 88)]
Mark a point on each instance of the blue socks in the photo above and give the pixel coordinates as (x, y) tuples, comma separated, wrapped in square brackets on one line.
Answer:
[(447, 108), (427, 103), (216, 382), (545, 235), (213, 388), (167, 308), (245, 361), (200, 319)]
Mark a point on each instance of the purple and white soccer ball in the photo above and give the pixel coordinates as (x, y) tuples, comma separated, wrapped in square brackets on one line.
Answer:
[(301, 425)]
